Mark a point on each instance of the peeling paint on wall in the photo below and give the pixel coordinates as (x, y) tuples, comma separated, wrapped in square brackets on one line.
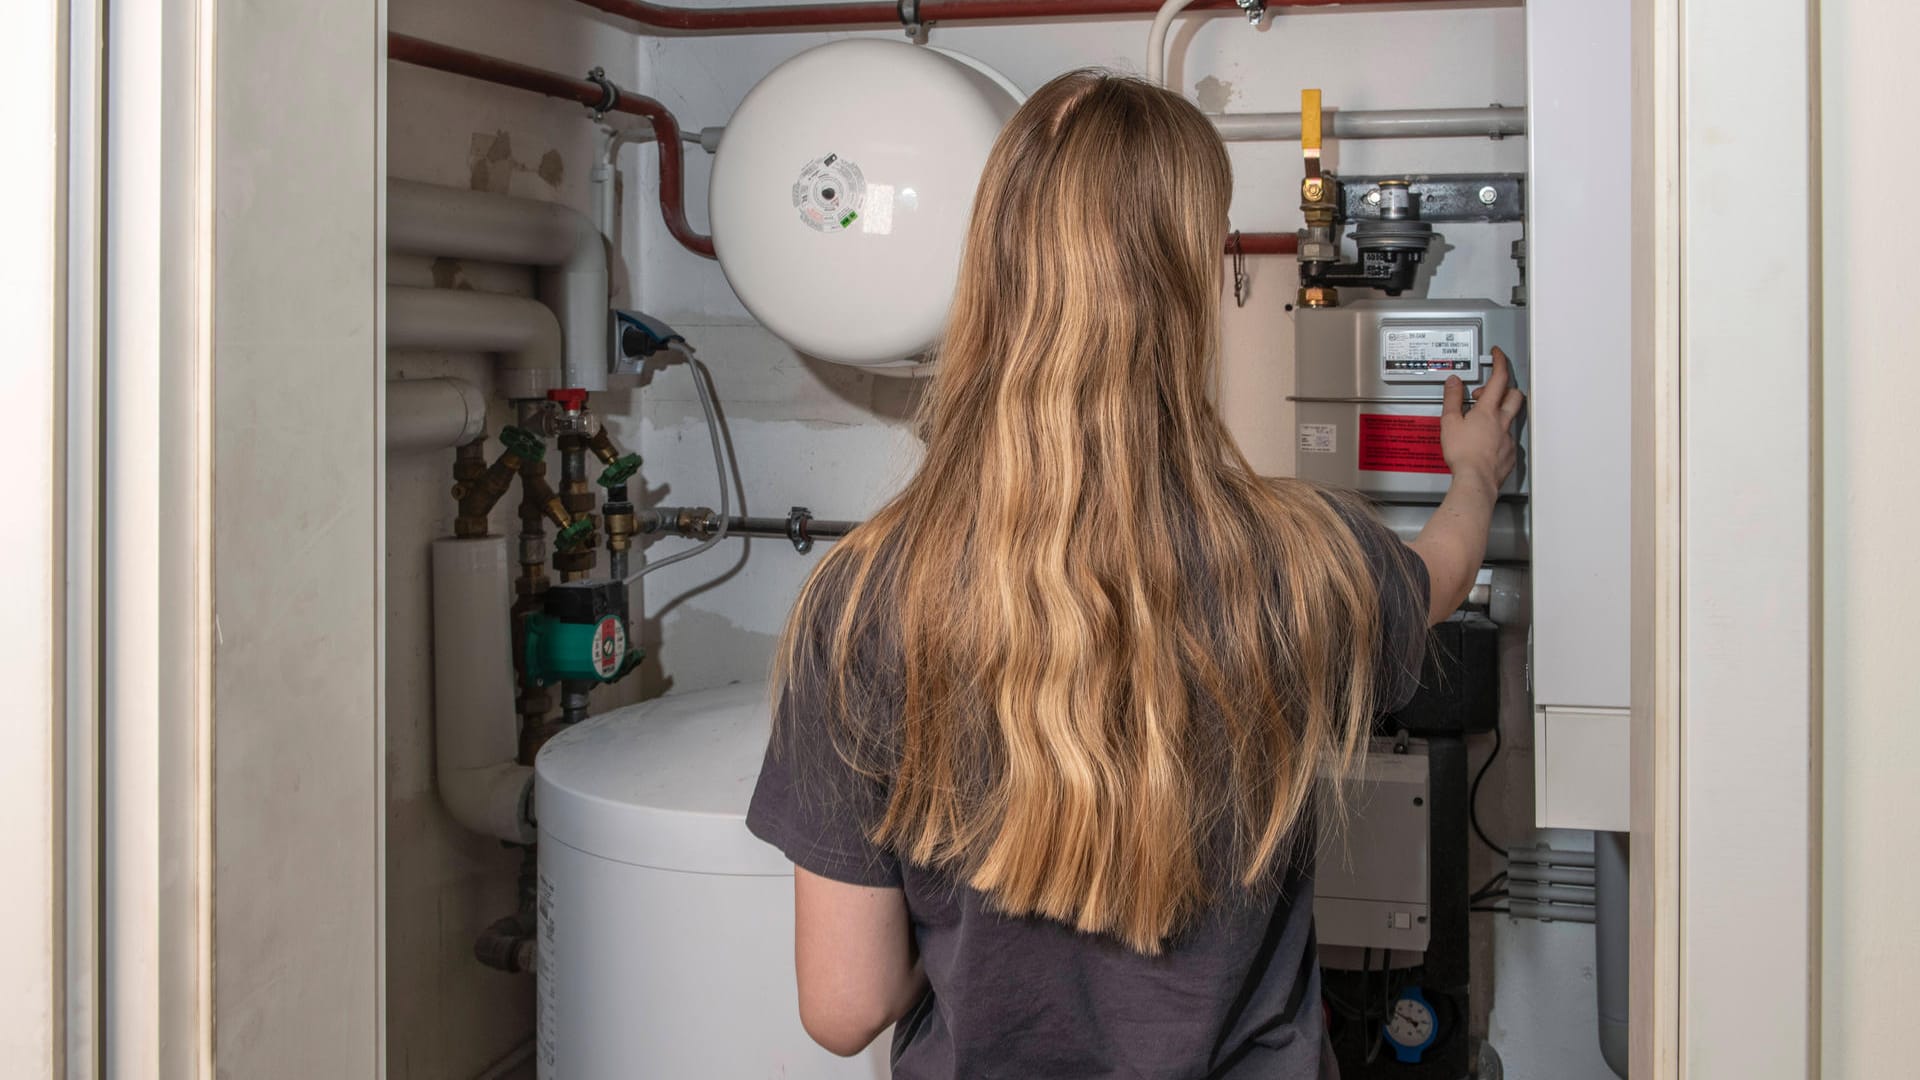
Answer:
[(491, 165), (450, 274), (1213, 93)]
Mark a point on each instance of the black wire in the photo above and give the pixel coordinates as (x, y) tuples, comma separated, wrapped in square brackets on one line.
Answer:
[(1491, 888), (1473, 794), (1492, 910), (1386, 1001)]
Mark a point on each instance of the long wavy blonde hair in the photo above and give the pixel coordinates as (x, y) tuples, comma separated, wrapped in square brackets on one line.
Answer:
[(1094, 662)]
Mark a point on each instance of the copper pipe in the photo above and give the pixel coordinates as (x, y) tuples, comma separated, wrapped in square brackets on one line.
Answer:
[(412, 50), (851, 15), (666, 130), (1263, 243)]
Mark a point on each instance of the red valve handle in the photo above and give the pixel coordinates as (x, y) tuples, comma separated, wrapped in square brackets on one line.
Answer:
[(570, 399)]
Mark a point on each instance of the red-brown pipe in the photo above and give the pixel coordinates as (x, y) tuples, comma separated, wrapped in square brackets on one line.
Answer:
[(1263, 243), (849, 15), (666, 130)]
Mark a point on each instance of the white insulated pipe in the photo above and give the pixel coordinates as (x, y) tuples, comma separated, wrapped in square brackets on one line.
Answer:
[(434, 414), (427, 219), (476, 737), (524, 332), (1157, 40), (1492, 123)]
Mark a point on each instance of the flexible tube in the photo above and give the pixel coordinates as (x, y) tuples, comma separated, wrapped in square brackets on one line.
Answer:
[(1157, 40), (700, 377)]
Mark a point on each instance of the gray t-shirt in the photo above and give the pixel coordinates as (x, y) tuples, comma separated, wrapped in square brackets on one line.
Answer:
[(1235, 996)]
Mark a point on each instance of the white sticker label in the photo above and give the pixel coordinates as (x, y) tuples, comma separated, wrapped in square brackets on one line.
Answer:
[(1318, 439), (1429, 352), (830, 194), (609, 646)]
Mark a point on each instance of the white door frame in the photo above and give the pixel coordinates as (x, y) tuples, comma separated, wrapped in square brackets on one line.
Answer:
[(1726, 573)]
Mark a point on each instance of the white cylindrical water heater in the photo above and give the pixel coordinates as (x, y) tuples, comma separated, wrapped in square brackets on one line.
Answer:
[(666, 928), (841, 193)]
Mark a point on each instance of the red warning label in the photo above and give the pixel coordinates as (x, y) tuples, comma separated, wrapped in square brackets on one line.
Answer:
[(1408, 444)]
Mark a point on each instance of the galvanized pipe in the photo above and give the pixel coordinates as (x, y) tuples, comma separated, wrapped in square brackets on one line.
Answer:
[(1495, 122), (1545, 856), (1552, 875), (1521, 909)]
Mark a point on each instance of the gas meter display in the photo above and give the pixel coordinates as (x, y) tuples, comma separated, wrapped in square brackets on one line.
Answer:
[(1429, 352)]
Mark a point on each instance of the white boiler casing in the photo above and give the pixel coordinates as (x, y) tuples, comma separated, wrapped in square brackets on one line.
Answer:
[(842, 189), (666, 928)]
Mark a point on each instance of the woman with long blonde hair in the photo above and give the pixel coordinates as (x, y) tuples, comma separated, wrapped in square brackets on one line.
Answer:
[(1053, 728)]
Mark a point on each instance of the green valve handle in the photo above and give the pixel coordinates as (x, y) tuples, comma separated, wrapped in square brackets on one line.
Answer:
[(574, 534), (524, 444), (620, 471)]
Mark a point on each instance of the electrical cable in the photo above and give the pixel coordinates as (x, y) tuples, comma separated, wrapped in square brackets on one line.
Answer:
[(1386, 1004), (700, 379), (1473, 795), (1490, 889)]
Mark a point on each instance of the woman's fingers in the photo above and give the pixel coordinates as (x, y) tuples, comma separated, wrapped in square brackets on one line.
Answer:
[(1498, 381), (1453, 397), (1510, 407)]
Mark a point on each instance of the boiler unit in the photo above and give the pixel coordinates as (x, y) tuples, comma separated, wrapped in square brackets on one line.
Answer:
[(666, 928)]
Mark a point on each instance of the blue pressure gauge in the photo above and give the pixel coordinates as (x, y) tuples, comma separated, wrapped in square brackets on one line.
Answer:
[(1413, 1025)]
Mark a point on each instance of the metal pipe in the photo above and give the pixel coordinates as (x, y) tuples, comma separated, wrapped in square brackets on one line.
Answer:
[(1612, 947), (666, 130), (1263, 243), (816, 528), (1546, 856), (1521, 909), (1552, 875), (1526, 890), (1486, 123), (849, 16)]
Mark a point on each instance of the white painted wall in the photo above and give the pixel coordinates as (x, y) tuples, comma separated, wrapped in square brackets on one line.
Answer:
[(296, 405), (31, 96), (1871, 389)]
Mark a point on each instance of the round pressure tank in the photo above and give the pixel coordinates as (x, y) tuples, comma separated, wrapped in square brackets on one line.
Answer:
[(666, 928), (841, 192)]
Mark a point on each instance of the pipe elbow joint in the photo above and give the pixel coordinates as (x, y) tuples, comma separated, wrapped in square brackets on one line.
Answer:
[(492, 800)]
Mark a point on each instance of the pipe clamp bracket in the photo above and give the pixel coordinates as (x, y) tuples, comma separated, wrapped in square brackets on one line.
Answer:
[(609, 93)]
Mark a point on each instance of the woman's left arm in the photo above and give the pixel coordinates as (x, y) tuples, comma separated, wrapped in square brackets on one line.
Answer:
[(854, 956)]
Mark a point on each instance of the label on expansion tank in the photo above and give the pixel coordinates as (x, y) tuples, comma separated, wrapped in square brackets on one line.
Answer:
[(830, 194), (1402, 444), (1319, 438), (1429, 352)]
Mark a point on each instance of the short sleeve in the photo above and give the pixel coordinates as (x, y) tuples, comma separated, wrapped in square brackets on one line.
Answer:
[(1404, 600), (810, 802)]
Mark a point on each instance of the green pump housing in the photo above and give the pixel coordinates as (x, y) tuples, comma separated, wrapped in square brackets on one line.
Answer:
[(581, 633)]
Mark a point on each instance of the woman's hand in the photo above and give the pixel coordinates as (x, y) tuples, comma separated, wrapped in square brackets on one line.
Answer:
[(1479, 448), (1478, 443)]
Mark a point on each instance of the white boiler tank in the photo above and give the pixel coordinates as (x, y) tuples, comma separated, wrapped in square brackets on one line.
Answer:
[(666, 928)]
